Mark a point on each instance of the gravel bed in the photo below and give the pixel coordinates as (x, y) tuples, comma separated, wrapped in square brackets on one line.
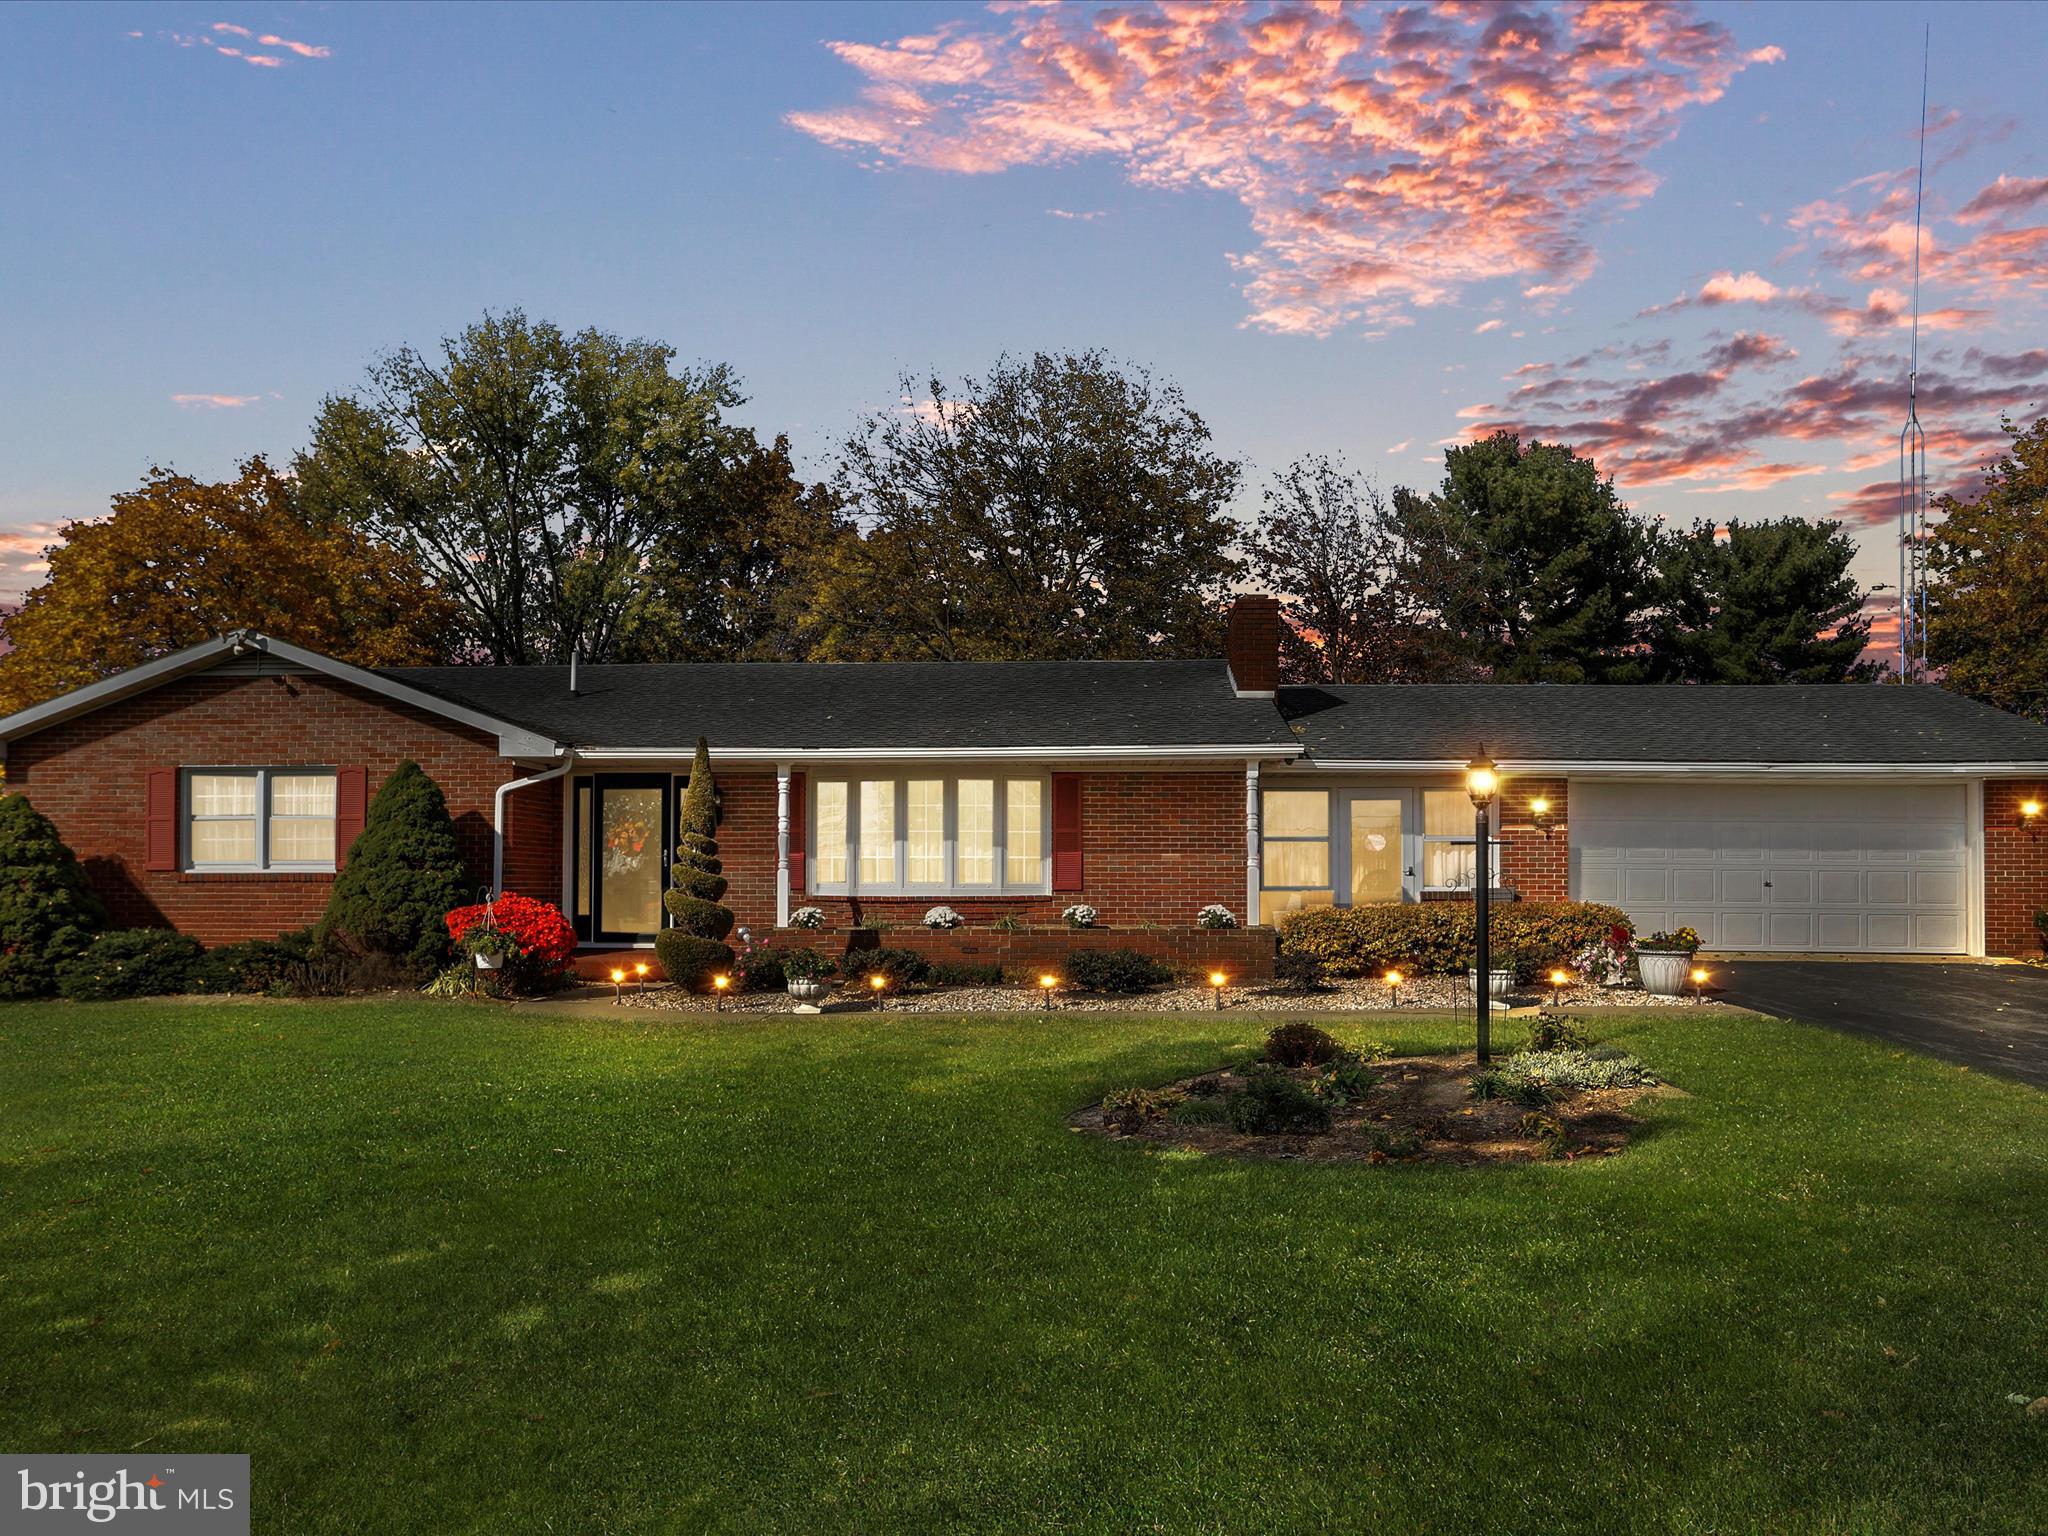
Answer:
[(1343, 997)]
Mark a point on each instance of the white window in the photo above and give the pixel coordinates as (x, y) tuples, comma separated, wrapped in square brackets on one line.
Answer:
[(930, 836), (259, 818), (1450, 841), (1294, 836)]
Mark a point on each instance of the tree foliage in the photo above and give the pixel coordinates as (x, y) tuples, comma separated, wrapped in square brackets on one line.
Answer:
[(1769, 602), (529, 471), (1529, 564), (1988, 589), (181, 560), (403, 875), (48, 911), (1325, 545), (1061, 506)]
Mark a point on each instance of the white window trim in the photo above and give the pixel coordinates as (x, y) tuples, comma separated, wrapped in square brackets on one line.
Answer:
[(951, 886), (1415, 843), (1328, 839), (263, 865), (1424, 839)]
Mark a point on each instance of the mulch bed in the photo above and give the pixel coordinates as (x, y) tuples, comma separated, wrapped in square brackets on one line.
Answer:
[(1427, 1097)]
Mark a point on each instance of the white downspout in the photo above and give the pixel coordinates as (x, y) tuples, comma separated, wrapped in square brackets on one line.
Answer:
[(498, 818)]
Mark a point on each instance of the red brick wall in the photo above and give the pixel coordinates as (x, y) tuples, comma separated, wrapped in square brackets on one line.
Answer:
[(2015, 867), (87, 775), (1156, 847), (1536, 869)]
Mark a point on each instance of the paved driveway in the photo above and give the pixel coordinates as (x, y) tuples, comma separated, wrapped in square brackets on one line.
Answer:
[(1991, 1018)]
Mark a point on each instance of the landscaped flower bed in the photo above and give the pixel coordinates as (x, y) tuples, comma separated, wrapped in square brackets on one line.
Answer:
[(1308, 1097)]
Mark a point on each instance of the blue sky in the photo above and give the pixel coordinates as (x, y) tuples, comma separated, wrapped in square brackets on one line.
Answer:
[(198, 247)]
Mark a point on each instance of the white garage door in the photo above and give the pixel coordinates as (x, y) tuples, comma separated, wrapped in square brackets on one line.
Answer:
[(1805, 867)]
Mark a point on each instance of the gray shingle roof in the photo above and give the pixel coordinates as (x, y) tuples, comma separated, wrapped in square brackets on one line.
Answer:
[(851, 706), (1791, 723)]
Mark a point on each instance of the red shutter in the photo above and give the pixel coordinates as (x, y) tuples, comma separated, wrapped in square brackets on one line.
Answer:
[(796, 834), (351, 803), (1066, 831), (160, 847)]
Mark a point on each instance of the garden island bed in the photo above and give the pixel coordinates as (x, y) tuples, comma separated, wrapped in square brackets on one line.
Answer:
[(1307, 1097)]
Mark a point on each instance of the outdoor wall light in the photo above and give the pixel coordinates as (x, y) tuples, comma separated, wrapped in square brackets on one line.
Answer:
[(618, 986), (1216, 981), (2030, 815), (1393, 989), (1539, 815), (1046, 983), (718, 987)]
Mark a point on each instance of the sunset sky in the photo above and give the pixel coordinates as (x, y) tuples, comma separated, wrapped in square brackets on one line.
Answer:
[(1677, 238)]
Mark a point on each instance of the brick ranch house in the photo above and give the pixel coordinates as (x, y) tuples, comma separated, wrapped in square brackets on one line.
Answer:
[(215, 790)]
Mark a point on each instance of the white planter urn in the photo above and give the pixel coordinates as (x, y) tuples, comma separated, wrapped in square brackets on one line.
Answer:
[(807, 989), (1499, 983), (1663, 970)]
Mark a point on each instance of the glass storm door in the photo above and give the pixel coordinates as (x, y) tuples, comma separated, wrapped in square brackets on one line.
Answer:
[(1378, 865), (629, 855)]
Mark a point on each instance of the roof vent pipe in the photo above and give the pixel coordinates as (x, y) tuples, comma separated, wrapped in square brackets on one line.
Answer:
[(575, 654)]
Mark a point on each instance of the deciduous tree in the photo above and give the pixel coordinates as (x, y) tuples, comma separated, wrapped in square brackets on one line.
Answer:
[(1765, 602), (180, 560), (529, 471), (1061, 506), (1988, 596)]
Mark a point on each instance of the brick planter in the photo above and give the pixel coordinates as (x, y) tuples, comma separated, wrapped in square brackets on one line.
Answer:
[(1245, 953)]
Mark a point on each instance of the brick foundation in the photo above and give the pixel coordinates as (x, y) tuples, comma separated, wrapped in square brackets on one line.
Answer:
[(2015, 867)]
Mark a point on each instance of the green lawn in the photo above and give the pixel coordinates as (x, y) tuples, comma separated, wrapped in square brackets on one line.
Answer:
[(449, 1268)]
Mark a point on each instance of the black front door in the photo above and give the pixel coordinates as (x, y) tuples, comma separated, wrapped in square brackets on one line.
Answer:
[(628, 855)]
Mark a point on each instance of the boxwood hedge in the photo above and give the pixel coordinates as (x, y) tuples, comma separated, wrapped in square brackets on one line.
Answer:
[(1436, 937)]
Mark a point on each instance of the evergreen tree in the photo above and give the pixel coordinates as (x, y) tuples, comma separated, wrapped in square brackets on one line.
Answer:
[(48, 912), (1771, 602), (403, 876), (1988, 587), (695, 949)]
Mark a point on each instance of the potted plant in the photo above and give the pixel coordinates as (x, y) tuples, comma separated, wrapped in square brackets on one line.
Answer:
[(939, 918), (807, 917), (1505, 963), (490, 945), (1080, 915), (806, 972), (1662, 960), (1215, 915)]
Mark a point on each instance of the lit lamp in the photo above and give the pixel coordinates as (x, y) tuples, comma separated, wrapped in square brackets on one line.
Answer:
[(640, 977), (879, 985), (1699, 982), (618, 986), (1482, 783), (1539, 816), (1559, 980), (1046, 983), (2030, 816), (1216, 981), (719, 984), (1393, 989)]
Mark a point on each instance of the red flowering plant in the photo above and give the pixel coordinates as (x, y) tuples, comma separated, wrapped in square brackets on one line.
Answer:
[(536, 939)]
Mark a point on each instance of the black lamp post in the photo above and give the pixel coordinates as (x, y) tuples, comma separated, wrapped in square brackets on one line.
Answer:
[(1481, 783)]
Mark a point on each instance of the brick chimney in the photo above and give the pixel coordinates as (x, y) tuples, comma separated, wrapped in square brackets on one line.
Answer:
[(1254, 646)]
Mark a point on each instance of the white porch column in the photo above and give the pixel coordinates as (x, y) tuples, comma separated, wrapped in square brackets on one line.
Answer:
[(782, 845), (1252, 883)]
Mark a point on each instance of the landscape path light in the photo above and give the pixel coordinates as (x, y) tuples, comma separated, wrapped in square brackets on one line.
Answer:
[(1393, 989), (1482, 782), (1559, 980), (1699, 983), (718, 988), (879, 985), (618, 986), (640, 976), (1216, 981), (1046, 984)]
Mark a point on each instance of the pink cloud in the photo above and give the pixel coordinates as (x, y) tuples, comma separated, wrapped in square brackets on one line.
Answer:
[(1487, 325), (214, 402), (1727, 288), (1386, 159)]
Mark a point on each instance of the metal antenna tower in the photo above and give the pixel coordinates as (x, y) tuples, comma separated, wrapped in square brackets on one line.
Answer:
[(1913, 449)]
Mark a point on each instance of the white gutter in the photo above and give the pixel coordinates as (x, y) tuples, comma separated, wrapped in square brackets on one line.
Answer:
[(1239, 751), (1582, 768), (498, 817)]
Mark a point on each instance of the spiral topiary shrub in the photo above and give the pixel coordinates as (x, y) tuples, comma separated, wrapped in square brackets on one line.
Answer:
[(48, 913), (698, 879)]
